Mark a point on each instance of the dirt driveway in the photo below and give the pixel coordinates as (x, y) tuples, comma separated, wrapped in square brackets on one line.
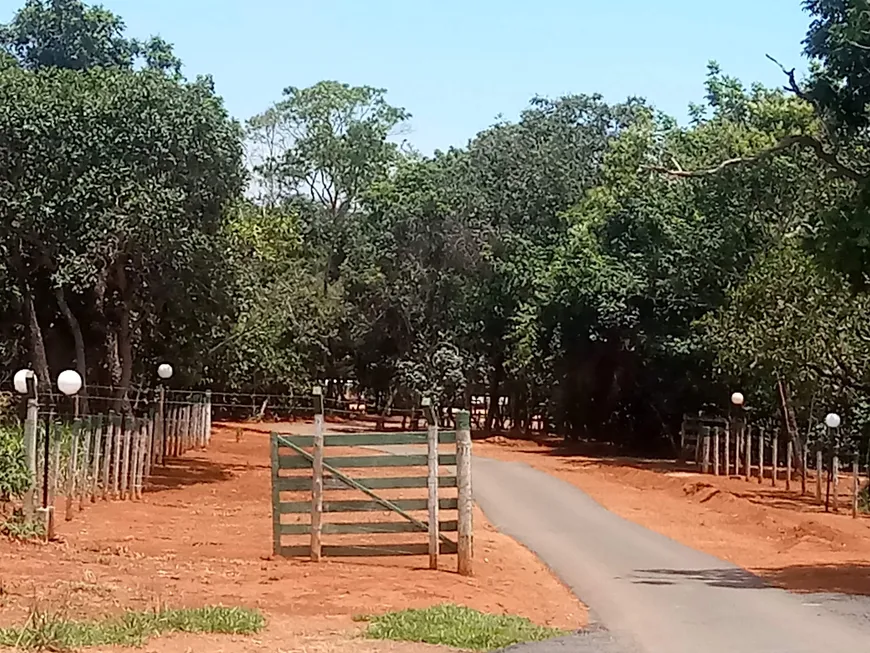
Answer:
[(202, 535), (787, 539)]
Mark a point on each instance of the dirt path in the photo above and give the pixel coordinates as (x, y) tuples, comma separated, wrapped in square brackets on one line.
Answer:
[(786, 539), (652, 594), (203, 536)]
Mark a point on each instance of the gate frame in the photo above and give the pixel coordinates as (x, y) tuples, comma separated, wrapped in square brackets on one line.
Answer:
[(437, 541)]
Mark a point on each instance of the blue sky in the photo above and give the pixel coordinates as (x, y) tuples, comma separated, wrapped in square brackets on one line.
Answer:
[(456, 65)]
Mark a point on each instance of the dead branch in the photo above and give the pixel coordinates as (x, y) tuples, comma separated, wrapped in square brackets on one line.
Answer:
[(786, 143)]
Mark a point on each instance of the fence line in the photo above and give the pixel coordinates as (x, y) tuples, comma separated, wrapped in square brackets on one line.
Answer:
[(714, 441), (105, 456)]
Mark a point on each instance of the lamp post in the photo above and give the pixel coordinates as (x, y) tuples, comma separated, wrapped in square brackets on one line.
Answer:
[(164, 373), (737, 400), (24, 382), (832, 423)]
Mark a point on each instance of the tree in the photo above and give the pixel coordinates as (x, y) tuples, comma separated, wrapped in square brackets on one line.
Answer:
[(114, 186), (70, 34)]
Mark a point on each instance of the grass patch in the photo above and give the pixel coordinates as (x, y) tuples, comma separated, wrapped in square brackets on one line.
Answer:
[(456, 626), (48, 632)]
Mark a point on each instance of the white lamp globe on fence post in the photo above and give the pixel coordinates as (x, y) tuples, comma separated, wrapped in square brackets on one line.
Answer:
[(69, 382), (832, 420), (164, 371), (20, 380), (737, 399)]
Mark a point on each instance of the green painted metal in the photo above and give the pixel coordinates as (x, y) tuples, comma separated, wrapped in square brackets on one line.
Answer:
[(351, 462), (341, 551), (353, 505), (373, 527), (369, 439), (303, 483)]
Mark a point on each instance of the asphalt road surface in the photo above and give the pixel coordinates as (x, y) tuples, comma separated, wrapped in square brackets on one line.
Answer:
[(648, 593)]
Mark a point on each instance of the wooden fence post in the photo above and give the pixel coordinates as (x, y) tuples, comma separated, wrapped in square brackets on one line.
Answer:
[(207, 417), (465, 541), (855, 486), (819, 473), (727, 450), (835, 481), (71, 469), (107, 457), (774, 458), (747, 451), (135, 455), (31, 428), (705, 435), (317, 477), (715, 451), (804, 469), (788, 464), (161, 425), (276, 496), (760, 454), (98, 452), (432, 480), (118, 429), (126, 466), (85, 465)]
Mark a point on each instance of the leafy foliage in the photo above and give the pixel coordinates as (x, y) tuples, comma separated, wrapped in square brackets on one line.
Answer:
[(598, 267)]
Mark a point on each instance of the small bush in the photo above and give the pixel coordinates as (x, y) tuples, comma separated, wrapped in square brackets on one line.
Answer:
[(46, 631), (456, 626), (14, 476), (19, 529)]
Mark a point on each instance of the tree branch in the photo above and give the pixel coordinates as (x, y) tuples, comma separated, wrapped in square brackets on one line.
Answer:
[(786, 143)]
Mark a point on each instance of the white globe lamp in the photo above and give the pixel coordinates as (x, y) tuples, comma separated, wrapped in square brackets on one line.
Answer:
[(69, 382), (20, 380), (164, 371), (832, 420), (737, 399)]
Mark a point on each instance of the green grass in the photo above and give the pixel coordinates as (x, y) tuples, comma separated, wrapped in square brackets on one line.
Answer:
[(456, 626), (48, 632)]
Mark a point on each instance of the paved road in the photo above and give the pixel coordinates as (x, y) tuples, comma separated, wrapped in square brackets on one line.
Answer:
[(648, 593)]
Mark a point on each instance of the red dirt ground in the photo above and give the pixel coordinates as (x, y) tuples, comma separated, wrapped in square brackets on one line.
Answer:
[(202, 535), (784, 537)]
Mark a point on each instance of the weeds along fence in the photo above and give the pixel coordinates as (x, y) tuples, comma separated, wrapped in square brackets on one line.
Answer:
[(762, 455), (74, 460)]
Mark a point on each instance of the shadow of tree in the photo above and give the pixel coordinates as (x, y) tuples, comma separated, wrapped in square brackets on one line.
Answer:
[(848, 578), (725, 577), (184, 472)]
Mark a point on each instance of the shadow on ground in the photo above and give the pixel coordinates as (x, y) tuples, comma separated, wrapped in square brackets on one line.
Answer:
[(184, 472), (851, 579)]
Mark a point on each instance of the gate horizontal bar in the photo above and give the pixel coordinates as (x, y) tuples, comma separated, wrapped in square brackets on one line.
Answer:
[(372, 527), (341, 551), (366, 439), (300, 483), (288, 507), (346, 462)]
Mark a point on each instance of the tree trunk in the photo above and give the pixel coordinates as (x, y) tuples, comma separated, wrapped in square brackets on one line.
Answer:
[(789, 420), (494, 386), (35, 341), (81, 362)]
